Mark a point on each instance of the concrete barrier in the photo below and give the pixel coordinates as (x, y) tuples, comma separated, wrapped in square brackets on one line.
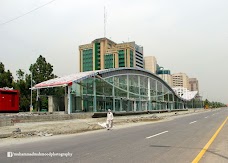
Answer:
[(5, 136), (104, 114), (11, 120), (5, 122), (42, 117)]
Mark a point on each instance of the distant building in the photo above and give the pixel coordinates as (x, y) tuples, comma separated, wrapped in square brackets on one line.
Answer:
[(165, 75), (139, 56), (150, 64), (168, 78), (193, 84), (103, 53), (180, 80)]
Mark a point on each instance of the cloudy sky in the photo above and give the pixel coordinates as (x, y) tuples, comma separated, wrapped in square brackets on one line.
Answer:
[(189, 36)]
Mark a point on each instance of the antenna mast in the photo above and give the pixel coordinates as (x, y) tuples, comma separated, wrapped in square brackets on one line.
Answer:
[(104, 22)]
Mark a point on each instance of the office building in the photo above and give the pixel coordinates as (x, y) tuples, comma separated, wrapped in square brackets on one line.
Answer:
[(139, 56), (150, 64), (103, 53), (168, 78), (165, 75), (180, 80)]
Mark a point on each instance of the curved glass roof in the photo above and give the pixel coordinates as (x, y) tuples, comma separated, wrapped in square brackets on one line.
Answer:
[(77, 77)]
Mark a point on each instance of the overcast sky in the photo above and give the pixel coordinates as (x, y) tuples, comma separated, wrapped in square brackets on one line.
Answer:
[(189, 36)]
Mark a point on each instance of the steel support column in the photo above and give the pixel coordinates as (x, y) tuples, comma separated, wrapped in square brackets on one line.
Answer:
[(69, 100), (113, 96), (140, 104), (128, 102), (149, 98), (163, 97), (156, 94), (94, 95)]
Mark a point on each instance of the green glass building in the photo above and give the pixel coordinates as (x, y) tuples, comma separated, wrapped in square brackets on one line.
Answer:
[(103, 53)]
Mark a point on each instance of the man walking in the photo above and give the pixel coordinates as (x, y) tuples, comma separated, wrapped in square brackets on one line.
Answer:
[(109, 119)]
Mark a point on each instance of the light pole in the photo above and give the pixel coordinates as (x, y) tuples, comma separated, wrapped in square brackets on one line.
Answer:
[(31, 107), (201, 98)]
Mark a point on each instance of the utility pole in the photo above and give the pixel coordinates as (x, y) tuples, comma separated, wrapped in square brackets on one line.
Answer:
[(31, 107)]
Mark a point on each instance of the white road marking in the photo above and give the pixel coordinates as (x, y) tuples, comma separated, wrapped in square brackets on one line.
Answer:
[(206, 117), (192, 122), (156, 135)]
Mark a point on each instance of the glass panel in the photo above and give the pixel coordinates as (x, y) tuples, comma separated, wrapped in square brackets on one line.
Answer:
[(159, 91), (117, 105)]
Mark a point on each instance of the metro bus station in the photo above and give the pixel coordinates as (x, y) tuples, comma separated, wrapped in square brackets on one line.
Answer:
[(118, 89)]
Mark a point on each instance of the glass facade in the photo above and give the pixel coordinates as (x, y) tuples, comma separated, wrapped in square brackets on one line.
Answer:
[(131, 59), (87, 59), (123, 91), (97, 56), (109, 61), (121, 58)]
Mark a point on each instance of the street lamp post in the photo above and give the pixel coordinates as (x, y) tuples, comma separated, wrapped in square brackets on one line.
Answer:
[(31, 107)]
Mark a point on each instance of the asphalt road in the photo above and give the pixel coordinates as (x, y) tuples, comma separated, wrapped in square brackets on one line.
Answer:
[(179, 140)]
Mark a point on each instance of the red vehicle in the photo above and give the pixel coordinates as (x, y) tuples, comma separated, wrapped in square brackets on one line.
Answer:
[(9, 100)]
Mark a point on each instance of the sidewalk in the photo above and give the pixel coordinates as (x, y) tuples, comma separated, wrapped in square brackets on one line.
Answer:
[(34, 129)]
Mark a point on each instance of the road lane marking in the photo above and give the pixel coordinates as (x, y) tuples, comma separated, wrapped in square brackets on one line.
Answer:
[(205, 148), (192, 122), (156, 135)]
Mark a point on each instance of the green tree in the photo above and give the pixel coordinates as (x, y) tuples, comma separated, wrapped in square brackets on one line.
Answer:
[(206, 104), (23, 84), (6, 77), (213, 104), (20, 74), (42, 71)]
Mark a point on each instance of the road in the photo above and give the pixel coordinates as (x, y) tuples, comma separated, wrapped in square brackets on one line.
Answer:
[(179, 140)]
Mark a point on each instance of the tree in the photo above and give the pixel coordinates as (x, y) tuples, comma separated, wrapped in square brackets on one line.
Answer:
[(206, 104), (20, 74), (6, 77), (42, 71), (213, 104), (23, 84)]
